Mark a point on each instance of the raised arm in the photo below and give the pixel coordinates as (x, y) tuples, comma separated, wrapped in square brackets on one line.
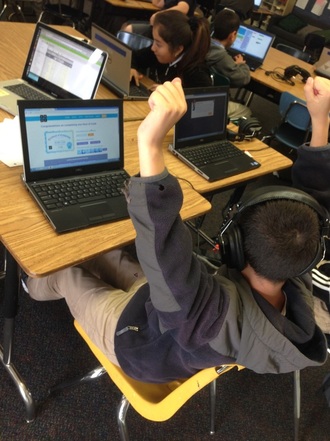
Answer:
[(317, 91), (167, 106)]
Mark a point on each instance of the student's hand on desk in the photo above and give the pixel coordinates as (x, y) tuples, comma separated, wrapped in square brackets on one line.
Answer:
[(136, 76), (239, 59), (167, 105)]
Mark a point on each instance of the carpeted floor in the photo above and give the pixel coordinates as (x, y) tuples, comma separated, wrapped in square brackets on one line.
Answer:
[(48, 350)]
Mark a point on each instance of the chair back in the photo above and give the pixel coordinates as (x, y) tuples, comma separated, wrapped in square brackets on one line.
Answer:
[(134, 41), (219, 79), (294, 111), (297, 53)]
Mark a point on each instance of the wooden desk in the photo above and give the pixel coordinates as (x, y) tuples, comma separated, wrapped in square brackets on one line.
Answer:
[(279, 60), (112, 14), (270, 161), (21, 34), (28, 237)]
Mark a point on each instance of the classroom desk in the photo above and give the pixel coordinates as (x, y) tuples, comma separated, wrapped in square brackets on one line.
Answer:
[(262, 83), (12, 66), (270, 161), (30, 240), (112, 14), (27, 235)]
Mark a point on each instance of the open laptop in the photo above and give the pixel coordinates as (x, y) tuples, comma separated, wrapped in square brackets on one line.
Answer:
[(253, 44), (256, 4), (322, 66), (116, 75), (73, 160), (57, 66), (204, 127)]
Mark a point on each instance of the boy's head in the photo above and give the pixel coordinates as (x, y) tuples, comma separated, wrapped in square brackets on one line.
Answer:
[(225, 26), (280, 238), (277, 231)]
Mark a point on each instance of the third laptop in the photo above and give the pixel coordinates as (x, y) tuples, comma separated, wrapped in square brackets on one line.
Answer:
[(200, 136), (253, 43), (116, 75), (57, 66)]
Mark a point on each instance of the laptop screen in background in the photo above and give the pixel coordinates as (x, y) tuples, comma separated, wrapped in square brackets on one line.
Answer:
[(71, 137), (252, 41), (63, 63), (206, 116), (119, 58)]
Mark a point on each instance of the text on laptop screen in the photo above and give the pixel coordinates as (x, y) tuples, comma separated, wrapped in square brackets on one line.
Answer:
[(252, 42), (65, 63), (69, 137), (206, 116)]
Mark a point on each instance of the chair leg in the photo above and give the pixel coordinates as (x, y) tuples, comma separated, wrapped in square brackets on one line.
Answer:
[(121, 418), (92, 375), (296, 403), (213, 389)]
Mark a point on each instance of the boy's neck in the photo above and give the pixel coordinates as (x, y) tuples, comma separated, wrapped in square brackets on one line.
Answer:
[(269, 290)]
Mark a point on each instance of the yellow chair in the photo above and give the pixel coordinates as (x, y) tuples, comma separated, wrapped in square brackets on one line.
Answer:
[(155, 402), (159, 402)]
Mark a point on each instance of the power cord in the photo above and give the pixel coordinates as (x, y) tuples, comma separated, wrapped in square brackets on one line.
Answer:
[(278, 76)]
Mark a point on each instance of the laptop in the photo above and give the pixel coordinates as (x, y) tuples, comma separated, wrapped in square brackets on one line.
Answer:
[(57, 66), (204, 127), (116, 75), (322, 66), (73, 160), (253, 44), (256, 4)]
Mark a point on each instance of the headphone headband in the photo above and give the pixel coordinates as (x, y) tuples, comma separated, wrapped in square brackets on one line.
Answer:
[(232, 242)]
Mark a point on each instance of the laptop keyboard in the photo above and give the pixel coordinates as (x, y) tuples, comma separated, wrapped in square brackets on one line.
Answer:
[(26, 92), (212, 152), (135, 90), (80, 190)]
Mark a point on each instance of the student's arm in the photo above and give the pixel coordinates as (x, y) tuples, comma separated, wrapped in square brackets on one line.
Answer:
[(311, 169), (167, 105), (317, 92)]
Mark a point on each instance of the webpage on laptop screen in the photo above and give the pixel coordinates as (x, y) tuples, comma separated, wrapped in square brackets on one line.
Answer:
[(251, 42), (59, 138)]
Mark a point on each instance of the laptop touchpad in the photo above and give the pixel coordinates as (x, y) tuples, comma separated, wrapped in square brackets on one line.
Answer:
[(98, 211)]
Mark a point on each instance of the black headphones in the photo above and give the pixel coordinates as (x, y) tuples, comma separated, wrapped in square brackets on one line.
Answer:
[(292, 71), (248, 128), (230, 236)]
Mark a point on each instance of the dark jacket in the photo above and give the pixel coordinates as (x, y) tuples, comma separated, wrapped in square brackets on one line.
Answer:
[(185, 320)]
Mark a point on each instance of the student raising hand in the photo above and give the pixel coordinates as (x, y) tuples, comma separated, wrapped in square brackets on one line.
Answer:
[(167, 105)]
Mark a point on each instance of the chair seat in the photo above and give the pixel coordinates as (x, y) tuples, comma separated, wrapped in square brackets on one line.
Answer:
[(154, 401)]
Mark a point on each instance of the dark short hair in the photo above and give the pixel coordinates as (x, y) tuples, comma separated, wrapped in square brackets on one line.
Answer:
[(225, 22), (280, 238)]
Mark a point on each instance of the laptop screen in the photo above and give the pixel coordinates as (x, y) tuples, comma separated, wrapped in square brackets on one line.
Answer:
[(117, 69), (253, 42), (62, 65), (206, 116), (70, 136)]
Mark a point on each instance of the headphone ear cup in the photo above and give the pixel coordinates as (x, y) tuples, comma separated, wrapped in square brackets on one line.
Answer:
[(232, 252)]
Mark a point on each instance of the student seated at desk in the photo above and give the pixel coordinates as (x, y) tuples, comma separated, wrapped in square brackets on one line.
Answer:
[(225, 27), (187, 7), (169, 318), (179, 49)]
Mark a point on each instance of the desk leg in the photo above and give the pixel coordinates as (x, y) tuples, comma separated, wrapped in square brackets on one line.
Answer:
[(10, 310)]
